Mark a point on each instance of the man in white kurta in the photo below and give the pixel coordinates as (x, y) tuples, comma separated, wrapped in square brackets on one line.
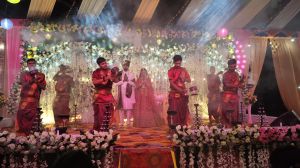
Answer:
[(126, 95)]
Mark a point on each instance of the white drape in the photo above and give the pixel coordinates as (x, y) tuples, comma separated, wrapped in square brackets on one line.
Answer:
[(257, 56), (286, 58)]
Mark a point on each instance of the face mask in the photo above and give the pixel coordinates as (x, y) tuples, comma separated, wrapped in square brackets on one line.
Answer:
[(32, 68)]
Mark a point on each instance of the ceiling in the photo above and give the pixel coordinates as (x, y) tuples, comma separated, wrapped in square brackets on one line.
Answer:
[(202, 14)]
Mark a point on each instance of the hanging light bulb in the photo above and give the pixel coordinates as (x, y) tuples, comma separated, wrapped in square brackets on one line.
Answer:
[(6, 24), (13, 1)]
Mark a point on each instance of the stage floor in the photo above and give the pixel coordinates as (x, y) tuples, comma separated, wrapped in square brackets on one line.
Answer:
[(144, 148), (141, 147)]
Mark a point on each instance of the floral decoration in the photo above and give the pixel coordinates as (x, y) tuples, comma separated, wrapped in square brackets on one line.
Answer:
[(232, 147), (39, 27), (248, 98), (33, 146)]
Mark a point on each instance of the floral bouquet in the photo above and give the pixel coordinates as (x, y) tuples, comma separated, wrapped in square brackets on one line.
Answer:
[(249, 99)]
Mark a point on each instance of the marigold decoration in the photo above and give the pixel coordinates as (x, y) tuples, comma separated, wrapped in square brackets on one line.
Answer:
[(3, 100), (249, 98)]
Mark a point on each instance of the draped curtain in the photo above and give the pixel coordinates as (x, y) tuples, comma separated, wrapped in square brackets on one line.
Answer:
[(40, 8), (286, 58), (91, 7), (13, 42), (257, 56), (145, 11)]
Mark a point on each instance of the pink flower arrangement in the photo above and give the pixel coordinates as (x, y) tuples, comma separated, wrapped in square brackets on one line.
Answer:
[(279, 134)]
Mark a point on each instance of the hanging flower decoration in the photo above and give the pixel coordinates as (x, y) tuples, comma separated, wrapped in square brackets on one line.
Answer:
[(96, 30), (81, 57), (222, 48), (219, 50)]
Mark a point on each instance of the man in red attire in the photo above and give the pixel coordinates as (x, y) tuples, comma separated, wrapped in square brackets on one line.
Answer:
[(230, 98), (32, 83), (178, 98), (103, 78)]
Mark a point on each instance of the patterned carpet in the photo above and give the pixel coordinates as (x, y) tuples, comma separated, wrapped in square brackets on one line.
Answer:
[(143, 148), (143, 137)]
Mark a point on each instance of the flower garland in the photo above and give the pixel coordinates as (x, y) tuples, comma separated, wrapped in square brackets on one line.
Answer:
[(39, 27), (12, 146)]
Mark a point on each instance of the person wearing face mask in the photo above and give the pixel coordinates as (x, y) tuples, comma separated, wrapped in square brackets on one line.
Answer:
[(32, 83)]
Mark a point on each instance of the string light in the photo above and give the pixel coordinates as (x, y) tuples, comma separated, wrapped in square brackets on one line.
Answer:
[(6, 24), (180, 11)]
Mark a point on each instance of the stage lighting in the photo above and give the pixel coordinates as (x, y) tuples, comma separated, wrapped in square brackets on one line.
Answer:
[(2, 46), (13, 1), (6, 24)]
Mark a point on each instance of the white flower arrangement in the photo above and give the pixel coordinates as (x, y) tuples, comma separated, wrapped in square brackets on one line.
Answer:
[(13, 146), (237, 139)]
